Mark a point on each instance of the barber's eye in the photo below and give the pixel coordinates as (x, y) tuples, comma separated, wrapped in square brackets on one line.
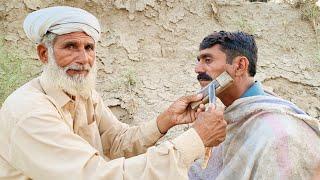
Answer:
[(70, 46)]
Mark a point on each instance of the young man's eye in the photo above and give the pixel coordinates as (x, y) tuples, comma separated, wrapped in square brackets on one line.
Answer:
[(89, 47), (208, 60)]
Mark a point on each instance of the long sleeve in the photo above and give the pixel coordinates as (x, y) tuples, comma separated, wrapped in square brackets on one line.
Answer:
[(43, 147), (120, 140)]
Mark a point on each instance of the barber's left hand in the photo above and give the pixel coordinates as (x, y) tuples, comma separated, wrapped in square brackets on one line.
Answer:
[(179, 112)]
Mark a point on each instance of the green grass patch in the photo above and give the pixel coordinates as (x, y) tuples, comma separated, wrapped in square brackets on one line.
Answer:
[(309, 11), (15, 69)]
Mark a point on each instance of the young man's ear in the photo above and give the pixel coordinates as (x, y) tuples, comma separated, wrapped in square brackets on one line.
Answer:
[(241, 65), (42, 53)]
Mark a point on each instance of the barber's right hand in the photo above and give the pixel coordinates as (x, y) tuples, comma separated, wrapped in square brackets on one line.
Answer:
[(211, 126)]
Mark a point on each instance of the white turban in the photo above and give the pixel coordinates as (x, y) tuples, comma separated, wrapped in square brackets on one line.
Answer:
[(60, 20)]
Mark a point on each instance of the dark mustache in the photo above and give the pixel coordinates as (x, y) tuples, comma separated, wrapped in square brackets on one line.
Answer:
[(204, 77)]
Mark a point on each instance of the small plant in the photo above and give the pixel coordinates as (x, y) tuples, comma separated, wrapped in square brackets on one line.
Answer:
[(309, 11), (245, 26), (130, 77), (241, 23), (130, 80)]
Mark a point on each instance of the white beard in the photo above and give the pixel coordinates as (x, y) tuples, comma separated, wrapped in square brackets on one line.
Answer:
[(78, 84)]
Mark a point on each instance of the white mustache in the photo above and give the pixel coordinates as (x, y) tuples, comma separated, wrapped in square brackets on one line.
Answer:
[(85, 67)]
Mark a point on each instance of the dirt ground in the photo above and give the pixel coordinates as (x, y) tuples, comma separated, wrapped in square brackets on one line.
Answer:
[(148, 49)]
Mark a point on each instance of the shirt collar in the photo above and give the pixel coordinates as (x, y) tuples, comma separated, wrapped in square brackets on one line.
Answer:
[(57, 94), (254, 90)]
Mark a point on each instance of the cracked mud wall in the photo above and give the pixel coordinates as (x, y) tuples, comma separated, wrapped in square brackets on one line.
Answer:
[(147, 52)]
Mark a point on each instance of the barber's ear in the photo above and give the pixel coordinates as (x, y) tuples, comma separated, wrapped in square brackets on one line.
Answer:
[(42, 53), (241, 64)]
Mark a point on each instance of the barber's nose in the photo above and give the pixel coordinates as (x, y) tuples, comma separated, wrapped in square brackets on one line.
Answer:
[(83, 57)]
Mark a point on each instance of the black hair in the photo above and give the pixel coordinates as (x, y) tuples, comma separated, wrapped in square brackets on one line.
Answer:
[(234, 44)]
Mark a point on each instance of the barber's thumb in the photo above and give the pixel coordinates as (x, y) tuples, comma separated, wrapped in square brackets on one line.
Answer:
[(196, 97)]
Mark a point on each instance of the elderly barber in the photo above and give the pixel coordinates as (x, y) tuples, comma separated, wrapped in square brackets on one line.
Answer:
[(57, 127)]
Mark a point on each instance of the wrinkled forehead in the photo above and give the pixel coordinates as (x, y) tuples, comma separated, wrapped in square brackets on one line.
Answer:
[(76, 37)]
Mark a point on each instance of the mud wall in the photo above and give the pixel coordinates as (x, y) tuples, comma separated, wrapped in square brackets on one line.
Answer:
[(148, 49)]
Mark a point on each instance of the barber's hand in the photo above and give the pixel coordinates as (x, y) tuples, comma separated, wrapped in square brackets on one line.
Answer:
[(211, 127), (179, 112)]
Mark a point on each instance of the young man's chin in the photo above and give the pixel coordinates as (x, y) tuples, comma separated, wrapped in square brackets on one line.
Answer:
[(204, 83)]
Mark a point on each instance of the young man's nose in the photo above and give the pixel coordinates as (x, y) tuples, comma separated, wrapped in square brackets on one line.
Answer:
[(199, 68)]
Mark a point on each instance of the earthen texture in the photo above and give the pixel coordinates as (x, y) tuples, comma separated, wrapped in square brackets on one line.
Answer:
[(147, 52)]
